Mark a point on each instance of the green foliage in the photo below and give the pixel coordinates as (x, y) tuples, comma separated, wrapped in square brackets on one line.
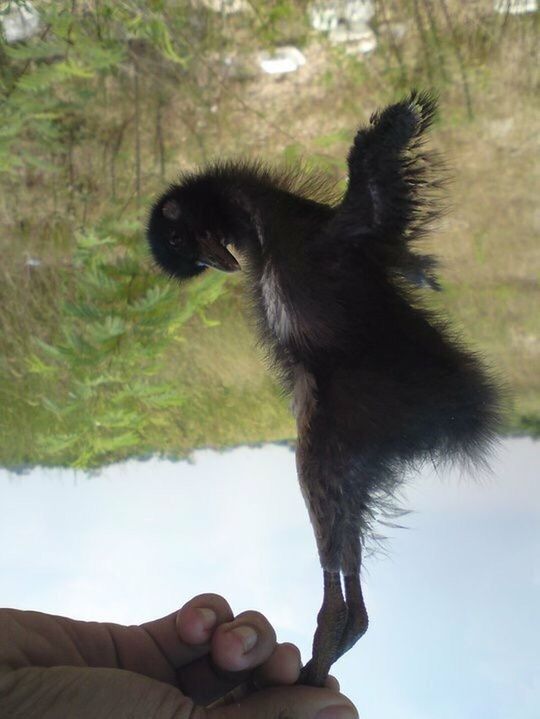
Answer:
[(45, 83), (528, 424), (88, 377), (81, 378), (104, 397), (53, 89)]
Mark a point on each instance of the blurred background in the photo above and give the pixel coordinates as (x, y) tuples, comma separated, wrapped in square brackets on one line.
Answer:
[(104, 102)]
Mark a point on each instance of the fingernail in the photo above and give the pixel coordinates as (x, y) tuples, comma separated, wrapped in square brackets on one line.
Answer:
[(337, 712), (247, 635), (208, 616)]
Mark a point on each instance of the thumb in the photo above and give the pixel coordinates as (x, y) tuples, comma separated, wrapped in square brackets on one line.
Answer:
[(296, 702)]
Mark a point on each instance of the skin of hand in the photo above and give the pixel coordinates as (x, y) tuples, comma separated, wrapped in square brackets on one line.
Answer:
[(171, 668)]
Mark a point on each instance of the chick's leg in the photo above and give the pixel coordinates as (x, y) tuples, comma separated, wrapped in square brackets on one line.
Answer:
[(331, 622), (319, 471), (357, 617)]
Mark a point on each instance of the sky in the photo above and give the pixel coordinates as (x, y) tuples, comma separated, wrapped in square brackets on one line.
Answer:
[(453, 600)]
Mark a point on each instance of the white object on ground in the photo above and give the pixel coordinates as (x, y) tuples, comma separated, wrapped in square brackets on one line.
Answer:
[(327, 16), (281, 60), (358, 37), (33, 262), (346, 23), (515, 7), (20, 23), (227, 7)]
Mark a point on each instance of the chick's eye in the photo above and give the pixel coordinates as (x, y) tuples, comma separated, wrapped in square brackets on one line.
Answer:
[(174, 241)]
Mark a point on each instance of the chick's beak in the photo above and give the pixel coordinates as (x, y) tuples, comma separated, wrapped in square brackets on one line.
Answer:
[(214, 254)]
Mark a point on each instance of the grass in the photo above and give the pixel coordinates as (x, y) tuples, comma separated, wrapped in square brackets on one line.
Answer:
[(231, 398), (487, 243)]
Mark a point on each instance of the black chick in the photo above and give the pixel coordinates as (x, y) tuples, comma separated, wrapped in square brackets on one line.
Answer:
[(378, 383)]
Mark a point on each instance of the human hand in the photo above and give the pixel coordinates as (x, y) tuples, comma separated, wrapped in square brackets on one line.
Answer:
[(169, 668)]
